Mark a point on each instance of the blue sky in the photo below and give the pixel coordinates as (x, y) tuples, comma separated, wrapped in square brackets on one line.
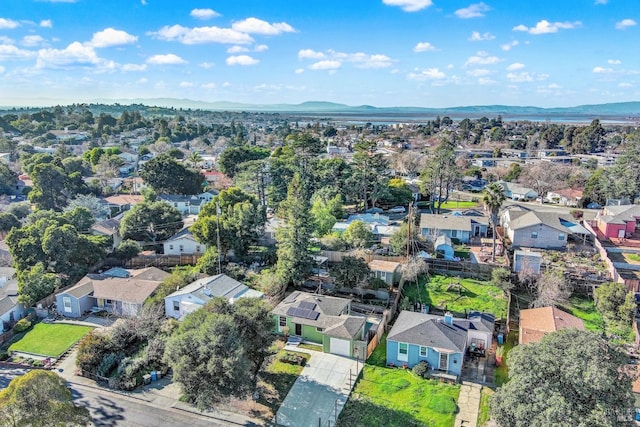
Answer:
[(430, 53)]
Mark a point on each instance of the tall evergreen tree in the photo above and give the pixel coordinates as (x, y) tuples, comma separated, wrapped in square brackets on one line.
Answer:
[(294, 260)]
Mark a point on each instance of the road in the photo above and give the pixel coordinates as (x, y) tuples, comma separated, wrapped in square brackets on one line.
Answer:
[(111, 410)]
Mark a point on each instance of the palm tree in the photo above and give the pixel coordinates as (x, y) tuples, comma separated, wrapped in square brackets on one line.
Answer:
[(493, 198), (194, 158)]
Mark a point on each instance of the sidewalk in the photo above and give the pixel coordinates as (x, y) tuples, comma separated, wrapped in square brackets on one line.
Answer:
[(163, 393), (469, 404)]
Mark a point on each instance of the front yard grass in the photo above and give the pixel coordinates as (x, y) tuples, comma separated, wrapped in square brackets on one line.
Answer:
[(461, 204), (483, 414), (50, 339), (277, 378), (308, 346), (443, 292)]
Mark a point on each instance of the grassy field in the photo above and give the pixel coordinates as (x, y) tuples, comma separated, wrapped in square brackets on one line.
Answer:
[(396, 397), (584, 308), (453, 204), (50, 339), (502, 372), (484, 415), (474, 295)]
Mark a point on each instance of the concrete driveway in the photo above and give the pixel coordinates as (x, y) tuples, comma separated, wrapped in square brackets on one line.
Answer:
[(320, 391)]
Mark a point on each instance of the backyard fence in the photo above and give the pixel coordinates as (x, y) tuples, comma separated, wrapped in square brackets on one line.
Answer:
[(337, 256), (162, 260), (461, 268)]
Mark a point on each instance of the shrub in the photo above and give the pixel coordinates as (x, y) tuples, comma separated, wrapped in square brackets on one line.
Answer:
[(377, 283), (421, 368), (37, 363), (22, 325), (109, 362), (4, 355)]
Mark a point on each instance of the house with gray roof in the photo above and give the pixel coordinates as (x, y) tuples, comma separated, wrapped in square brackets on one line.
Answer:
[(195, 295), (515, 191), (188, 204), (10, 311), (183, 243), (440, 341), (323, 320), (453, 226)]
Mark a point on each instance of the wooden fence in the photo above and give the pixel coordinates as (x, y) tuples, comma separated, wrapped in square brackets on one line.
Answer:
[(161, 260), (337, 256)]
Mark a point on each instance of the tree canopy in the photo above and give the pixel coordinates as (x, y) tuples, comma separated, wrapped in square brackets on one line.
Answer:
[(150, 222), (165, 175), (569, 378)]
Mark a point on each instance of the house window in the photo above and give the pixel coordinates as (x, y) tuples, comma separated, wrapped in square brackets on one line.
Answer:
[(320, 329), (197, 248), (383, 275), (477, 343), (534, 234), (176, 305), (67, 304), (423, 351), (181, 248), (403, 351), (282, 321), (561, 236), (454, 234), (170, 247)]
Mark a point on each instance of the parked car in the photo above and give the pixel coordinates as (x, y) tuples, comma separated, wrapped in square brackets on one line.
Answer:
[(397, 209)]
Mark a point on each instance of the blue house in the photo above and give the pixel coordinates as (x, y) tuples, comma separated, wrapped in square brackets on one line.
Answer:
[(452, 226), (441, 342)]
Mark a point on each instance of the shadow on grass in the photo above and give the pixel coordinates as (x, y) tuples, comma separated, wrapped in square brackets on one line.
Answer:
[(360, 412)]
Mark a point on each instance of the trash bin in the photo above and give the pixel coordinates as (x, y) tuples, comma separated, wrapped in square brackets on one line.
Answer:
[(146, 378), (500, 339), (154, 377)]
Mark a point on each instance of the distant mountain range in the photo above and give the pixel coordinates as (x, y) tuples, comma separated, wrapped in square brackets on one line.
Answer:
[(618, 109)]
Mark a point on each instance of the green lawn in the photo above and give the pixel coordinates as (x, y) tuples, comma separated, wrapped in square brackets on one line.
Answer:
[(583, 307), (484, 415), (462, 204), (50, 339), (277, 378), (396, 397), (472, 295), (501, 373)]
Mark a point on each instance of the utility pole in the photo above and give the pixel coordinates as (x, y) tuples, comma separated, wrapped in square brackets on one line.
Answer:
[(218, 211), (409, 219)]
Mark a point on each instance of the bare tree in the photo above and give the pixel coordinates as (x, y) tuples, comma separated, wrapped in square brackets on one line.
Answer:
[(544, 177), (552, 289), (413, 268)]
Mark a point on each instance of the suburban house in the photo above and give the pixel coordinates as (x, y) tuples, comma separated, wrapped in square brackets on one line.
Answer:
[(535, 229), (618, 221), (441, 341), (323, 320), (183, 243), (479, 221), (565, 196), (537, 322), (187, 204), (516, 191), (195, 295), (109, 228), (378, 224), (119, 291), (123, 202), (10, 309), (388, 271), (452, 226)]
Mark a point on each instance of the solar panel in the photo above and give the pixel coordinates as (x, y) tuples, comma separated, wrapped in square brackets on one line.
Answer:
[(304, 313), (307, 305), (292, 311)]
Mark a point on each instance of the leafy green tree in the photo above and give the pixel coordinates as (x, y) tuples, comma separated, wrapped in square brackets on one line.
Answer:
[(515, 170), (20, 210), (208, 262), (493, 197), (80, 217), (127, 249), (231, 158), (165, 175), (615, 302), (501, 278), (48, 187), (398, 240), (294, 260), (351, 272), (238, 216), (96, 208), (8, 179), (40, 399), (7, 222), (369, 179), (569, 378), (625, 174), (323, 213), (150, 222), (358, 235), (399, 192), (35, 284)]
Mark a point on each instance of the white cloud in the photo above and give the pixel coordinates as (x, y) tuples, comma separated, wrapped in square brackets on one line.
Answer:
[(299, 70), (554, 86), (142, 81), (209, 86), (74, 55), (200, 35), (427, 74), (8, 51), (614, 61), (483, 81), (602, 70), (6, 40), (46, 23), (261, 48), (546, 27), (258, 26), (185, 84), (207, 65), (424, 47), (625, 23), (625, 84), (520, 77), (111, 37), (32, 40), (204, 13), (409, 5), (241, 60), (168, 59), (479, 72), (310, 54), (515, 66), (472, 11), (510, 45), (226, 84), (1, 69), (134, 67), (477, 37), (482, 58), (237, 49), (326, 65), (8, 24)]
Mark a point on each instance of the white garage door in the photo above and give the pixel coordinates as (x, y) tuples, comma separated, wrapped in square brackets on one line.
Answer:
[(341, 347)]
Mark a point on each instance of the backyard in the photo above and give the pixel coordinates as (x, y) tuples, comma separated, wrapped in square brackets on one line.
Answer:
[(501, 373), (457, 294), (50, 339), (394, 396)]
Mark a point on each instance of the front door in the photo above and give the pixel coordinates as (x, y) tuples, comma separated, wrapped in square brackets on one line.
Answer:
[(298, 329), (444, 362)]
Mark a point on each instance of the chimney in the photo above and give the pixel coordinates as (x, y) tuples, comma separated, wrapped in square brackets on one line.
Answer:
[(448, 318)]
